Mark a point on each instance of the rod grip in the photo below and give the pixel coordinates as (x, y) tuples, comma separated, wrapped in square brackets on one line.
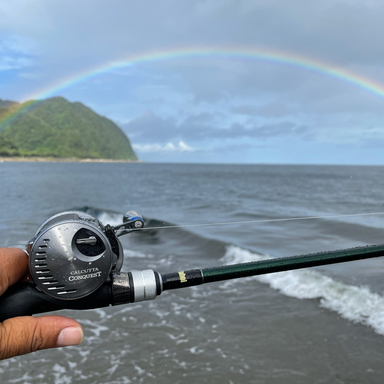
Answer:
[(23, 299)]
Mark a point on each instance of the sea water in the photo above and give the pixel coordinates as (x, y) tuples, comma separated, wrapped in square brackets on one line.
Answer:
[(317, 325)]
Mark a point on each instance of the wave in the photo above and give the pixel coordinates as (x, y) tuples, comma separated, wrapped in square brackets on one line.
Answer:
[(354, 303), (104, 215)]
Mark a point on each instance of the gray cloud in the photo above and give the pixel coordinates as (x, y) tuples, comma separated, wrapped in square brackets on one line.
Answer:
[(276, 108), (72, 36), (150, 128), (340, 31)]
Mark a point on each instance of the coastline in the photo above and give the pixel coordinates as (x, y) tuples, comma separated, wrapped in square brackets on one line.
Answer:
[(33, 159)]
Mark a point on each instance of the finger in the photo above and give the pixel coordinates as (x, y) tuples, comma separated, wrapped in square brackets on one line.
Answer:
[(22, 335), (13, 265)]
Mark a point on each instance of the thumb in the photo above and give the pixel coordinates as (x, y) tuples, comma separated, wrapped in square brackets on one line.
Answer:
[(27, 334)]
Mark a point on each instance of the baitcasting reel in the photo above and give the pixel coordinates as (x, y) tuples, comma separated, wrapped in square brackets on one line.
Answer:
[(75, 262), (73, 254)]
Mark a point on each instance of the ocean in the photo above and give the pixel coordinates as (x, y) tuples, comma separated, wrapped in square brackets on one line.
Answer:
[(321, 325)]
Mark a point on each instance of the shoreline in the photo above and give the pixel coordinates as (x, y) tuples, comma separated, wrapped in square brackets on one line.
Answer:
[(33, 159)]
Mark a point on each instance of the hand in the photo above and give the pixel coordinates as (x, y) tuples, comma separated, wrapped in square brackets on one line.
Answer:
[(22, 335)]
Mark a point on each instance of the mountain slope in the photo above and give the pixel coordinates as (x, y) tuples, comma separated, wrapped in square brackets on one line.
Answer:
[(7, 107), (56, 127), (7, 148), (7, 103)]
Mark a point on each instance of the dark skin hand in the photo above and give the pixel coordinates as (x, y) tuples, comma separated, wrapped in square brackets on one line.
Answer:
[(27, 334)]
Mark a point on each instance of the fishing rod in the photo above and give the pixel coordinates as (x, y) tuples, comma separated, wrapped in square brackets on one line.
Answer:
[(75, 263)]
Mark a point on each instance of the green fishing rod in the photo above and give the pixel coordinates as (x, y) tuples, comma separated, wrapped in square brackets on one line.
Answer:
[(75, 263), (235, 271)]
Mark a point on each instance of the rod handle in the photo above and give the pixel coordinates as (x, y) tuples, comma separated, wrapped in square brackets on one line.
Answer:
[(23, 299)]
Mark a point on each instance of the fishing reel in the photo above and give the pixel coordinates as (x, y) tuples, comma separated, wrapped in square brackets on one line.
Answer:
[(72, 254), (75, 262)]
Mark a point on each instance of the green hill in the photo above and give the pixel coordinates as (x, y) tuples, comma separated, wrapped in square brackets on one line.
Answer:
[(58, 128), (7, 107), (7, 103), (7, 148)]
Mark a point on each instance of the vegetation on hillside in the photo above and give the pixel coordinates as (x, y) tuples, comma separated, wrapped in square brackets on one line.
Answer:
[(7, 107), (7, 148), (58, 128), (7, 103)]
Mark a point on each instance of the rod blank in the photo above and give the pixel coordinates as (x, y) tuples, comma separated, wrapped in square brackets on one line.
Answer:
[(209, 275)]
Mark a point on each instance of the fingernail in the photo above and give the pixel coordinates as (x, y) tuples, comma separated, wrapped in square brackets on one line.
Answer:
[(70, 336)]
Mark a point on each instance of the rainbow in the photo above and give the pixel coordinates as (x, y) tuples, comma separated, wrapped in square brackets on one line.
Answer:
[(250, 53)]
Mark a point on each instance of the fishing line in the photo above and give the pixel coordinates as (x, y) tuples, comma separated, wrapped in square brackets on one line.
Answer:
[(260, 221)]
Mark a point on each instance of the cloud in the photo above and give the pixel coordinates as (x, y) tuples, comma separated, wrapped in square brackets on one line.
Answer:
[(235, 147), (373, 143), (169, 147), (276, 108), (18, 45), (150, 127), (15, 53), (335, 30), (7, 63), (183, 148), (200, 127), (79, 35), (31, 75)]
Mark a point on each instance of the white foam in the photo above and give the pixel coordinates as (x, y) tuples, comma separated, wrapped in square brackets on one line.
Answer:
[(137, 254), (355, 303), (60, 377), (110, 218), (25, 379), (139, 370), (95, 327), (196, 351)]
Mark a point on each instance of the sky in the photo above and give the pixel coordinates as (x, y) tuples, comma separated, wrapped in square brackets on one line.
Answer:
[(220, 81)]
